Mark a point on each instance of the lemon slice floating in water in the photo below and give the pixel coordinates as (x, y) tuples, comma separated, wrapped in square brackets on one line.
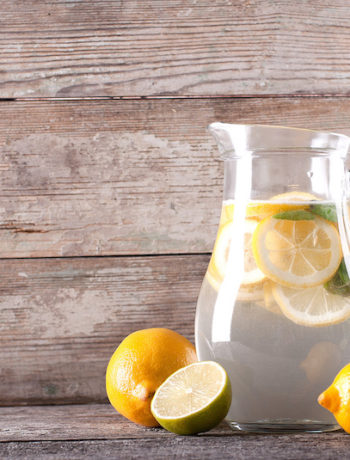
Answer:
[(279, 203), (297, 253), (269, 301), (313, 307), (294, 196), (193, 399), (217, 266)]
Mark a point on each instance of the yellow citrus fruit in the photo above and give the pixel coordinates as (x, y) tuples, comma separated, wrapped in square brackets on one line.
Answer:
[(257, 211), (297, 253), (313, 306), (269, 300), (227, 213), (337, 398), (218, 262), (140, 365), (246, 293), (294, 196), (263, 210), (251, 293), (214, 282), (322, 359)]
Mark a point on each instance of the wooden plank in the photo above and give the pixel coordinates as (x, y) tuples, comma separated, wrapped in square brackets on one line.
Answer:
[(75, 422), (183, 47), (104, 178), (61, 319), (247, 448), (126, 177), (97, 431), (138, 443)]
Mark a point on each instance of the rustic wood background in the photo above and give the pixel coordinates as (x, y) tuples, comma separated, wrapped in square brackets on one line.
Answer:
[(110, 186), (76, 48)]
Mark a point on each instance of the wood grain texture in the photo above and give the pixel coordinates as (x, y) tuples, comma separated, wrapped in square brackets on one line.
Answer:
[(75, 422), (76, 432), (61, 319), (106, 178), (183, 47), (126, 177)]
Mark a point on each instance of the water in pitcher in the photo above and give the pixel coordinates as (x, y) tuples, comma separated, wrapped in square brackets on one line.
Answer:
[(288, 331)]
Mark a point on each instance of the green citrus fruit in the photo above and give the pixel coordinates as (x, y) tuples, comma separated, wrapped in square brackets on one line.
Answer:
[(193, 399)]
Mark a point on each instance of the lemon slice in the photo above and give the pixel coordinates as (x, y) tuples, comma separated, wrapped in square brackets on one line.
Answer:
[(218, 262), (294, 196), (227, 212), (323, 359), (251, 293), (246, 293), (312, 307), (262, 210), (193, 399), (297, 253), (269, 301)]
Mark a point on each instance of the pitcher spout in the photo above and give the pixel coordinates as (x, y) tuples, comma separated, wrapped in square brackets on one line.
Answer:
[(231, 139)]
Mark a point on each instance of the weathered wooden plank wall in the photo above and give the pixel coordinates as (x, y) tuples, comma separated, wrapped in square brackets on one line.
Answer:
[(188, 47), (125, 177), (109, 207), (61, 319), (105, 186)]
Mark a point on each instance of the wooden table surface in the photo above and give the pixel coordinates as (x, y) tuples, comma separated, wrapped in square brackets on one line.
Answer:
[(110, 194), (96, 431)]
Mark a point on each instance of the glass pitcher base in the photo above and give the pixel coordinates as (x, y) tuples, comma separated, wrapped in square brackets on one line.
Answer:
[(283, 426)]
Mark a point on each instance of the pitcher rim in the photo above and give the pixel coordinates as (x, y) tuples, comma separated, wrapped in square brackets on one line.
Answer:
[(310, 141)]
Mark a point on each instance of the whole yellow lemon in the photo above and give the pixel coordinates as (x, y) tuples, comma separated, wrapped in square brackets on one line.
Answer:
[(336, 398), (140, 364)]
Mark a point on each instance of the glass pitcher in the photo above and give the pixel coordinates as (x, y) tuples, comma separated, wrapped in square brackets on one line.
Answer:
[(274, 306)]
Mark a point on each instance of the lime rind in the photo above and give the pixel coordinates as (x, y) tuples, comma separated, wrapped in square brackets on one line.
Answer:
[(205, 417)]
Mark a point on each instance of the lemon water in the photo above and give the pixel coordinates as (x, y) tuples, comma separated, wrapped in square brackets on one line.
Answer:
[(287, 332)]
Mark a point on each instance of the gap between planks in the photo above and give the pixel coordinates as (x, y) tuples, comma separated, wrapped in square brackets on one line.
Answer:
[(110, 256), (177, 97)]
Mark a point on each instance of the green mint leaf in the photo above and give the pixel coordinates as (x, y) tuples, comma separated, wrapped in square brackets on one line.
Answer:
[(343, 273), (297, 214), (340, 283), (327, 211)]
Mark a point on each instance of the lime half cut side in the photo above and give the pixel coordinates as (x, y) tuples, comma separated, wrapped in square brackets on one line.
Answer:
[(193, 399)]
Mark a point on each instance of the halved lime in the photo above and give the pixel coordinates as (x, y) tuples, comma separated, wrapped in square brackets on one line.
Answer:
[(193, 399)]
